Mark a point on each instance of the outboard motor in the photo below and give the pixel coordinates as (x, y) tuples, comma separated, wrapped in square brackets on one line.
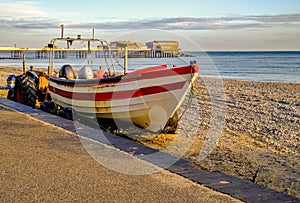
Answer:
[(11, 80)]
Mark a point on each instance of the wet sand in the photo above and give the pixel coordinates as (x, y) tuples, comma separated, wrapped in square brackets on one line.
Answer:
[(260, 139)]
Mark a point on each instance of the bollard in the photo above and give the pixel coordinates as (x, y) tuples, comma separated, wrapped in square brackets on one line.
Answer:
[(24, 64)]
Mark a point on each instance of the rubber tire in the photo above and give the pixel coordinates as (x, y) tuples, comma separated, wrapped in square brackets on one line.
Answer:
[(10, 94), (27, 86)]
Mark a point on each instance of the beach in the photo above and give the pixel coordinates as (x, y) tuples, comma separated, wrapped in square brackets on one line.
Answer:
[(261, 136), (259, 140)]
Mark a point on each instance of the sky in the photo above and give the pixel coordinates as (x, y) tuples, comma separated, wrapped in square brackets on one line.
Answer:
[(214, 25)]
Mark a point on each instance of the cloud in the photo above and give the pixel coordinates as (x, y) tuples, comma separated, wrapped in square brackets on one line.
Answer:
[(30, 17), (29, 23), (24, 8)]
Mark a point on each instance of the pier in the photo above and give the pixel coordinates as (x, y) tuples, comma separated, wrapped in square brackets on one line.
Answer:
[(154, 49)]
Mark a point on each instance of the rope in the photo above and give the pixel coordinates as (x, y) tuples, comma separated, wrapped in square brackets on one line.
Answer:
[(105, 59), (191, 97), (110, 56), (116, 59)]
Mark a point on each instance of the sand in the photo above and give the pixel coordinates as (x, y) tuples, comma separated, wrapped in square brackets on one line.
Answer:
[(260, 139), (261, 135)]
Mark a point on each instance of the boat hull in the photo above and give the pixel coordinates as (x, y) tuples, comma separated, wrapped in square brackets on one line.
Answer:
[(145, 99)]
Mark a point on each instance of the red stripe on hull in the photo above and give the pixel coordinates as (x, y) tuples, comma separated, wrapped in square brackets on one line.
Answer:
[(161, 73), (107, 96), (144, 70), (130, 77)]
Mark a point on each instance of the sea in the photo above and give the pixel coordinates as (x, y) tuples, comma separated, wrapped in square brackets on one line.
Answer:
[(271, 66)]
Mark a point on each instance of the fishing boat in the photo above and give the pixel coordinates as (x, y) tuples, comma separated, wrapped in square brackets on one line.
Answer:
[(146, 98)]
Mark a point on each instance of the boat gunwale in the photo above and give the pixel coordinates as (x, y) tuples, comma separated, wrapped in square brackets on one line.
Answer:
[(127, 78)]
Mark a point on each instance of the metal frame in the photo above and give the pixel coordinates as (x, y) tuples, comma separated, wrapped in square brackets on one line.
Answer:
[(104, 44)]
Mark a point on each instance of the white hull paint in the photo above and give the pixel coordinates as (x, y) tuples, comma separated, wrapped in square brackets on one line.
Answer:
[(147, 102)]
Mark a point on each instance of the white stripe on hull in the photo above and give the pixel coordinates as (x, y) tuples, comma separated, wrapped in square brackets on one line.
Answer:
[(122, 105), (149, 111)]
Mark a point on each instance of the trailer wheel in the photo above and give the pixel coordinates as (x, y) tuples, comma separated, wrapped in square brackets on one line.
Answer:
[(10, 94), (25, 90)]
